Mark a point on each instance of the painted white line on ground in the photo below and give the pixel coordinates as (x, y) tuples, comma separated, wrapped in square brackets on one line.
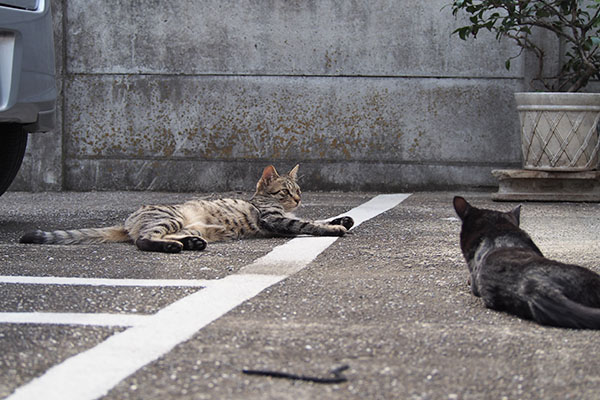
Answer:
[(375, 206), (57, 280), (297, 253), (92, 373), (95, 319)]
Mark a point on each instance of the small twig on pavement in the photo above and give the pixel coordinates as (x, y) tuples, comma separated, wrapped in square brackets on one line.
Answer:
[(337, 377)]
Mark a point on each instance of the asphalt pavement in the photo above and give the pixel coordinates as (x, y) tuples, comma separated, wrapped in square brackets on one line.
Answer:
[(390, 301)]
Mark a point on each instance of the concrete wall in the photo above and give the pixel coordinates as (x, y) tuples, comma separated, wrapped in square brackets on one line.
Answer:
[(201, 95)]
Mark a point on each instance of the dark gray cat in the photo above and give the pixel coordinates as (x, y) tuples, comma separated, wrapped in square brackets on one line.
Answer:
[(510, 274)]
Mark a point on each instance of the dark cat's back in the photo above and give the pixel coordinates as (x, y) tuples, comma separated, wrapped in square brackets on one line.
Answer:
[(509, 272)]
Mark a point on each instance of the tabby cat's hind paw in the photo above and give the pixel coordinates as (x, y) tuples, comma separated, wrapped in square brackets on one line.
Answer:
[(193, 243), (346, 222), (165, 246)]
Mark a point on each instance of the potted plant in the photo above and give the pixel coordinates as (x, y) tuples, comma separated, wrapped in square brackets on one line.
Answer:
[(559, 126)]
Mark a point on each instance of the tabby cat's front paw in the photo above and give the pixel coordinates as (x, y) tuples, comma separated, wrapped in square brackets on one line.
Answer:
[(346, 222), (338, 230)]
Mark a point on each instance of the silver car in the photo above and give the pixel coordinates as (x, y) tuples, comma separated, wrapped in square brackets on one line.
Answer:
[(27, 79)]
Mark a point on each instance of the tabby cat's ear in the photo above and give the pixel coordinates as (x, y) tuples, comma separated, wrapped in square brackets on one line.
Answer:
[(461, 206), (269, 173), (294, 172)]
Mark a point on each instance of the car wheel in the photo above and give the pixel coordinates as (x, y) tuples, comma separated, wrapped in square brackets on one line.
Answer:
[(13, 141)]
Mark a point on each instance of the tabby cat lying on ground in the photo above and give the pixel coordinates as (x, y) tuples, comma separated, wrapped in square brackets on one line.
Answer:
[(189, 226), (510, 273)]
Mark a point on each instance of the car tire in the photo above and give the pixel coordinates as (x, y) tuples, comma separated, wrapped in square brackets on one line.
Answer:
[(13, 141)]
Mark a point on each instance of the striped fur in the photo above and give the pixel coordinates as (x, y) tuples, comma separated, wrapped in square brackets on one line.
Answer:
[(189, 226)]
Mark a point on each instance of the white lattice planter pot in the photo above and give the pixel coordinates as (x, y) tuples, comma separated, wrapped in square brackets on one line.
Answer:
[(559, 131)]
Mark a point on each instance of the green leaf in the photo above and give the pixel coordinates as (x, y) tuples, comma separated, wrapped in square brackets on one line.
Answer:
[(514, 19)]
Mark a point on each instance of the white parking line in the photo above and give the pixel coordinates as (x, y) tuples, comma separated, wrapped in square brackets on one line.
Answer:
[(296, 254), (96, 319), (58, 280), (92, 373)]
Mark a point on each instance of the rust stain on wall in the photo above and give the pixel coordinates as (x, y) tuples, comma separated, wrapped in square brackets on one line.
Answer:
[(147, 118)]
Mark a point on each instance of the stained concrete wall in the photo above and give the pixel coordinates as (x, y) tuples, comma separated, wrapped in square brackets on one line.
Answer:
[(365, 95)]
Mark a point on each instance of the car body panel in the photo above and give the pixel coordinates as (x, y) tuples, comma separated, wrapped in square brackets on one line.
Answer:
[(27, 72)]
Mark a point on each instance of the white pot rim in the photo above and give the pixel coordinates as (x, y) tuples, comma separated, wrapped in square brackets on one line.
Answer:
[(582, 101), (557, 98), (560, 93)]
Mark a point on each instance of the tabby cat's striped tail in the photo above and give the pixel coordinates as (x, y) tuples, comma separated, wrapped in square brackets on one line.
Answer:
[(78, 236)]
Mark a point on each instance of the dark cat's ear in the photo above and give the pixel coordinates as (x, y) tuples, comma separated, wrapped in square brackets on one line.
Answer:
[(294, 172), (461, 206), (515, 215)]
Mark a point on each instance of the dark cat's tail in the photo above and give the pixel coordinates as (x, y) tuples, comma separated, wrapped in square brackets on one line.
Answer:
[(555, 309), (78, 236)]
